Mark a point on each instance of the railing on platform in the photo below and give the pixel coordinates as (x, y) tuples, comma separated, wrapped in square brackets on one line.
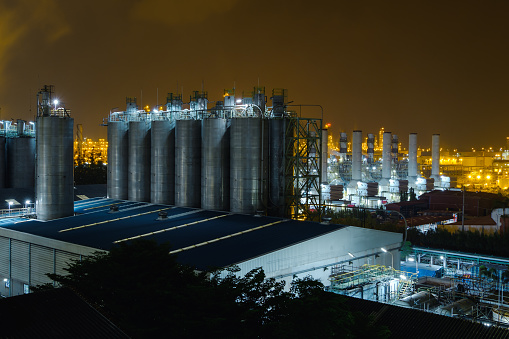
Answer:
[(17, 212)]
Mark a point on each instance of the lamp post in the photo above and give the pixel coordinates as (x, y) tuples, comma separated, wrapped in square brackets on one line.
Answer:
[(392, 256)]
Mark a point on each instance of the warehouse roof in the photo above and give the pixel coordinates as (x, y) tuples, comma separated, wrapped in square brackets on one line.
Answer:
[(407, 322), (201, 237)]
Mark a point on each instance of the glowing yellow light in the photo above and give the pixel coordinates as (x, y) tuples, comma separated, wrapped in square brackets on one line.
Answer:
[(478, 177), (488, 177)]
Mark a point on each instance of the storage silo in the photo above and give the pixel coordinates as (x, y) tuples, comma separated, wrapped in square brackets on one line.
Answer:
[(247, 165), (54, 160), (20, 161), (162, 162), (188, 163), (118, 150), (276, 203), (138, 183), (215, 164)]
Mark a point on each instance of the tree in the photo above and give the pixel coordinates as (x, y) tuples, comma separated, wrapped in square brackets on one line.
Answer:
[(143, 290)]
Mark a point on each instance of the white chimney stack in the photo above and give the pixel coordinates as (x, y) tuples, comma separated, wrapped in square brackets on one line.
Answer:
[(435, 157), (412, 157), (386, 156)]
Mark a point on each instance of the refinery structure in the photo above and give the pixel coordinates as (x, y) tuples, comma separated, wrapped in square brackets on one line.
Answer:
[(359, 176), (246, 157), (240, 155), (230, 182)]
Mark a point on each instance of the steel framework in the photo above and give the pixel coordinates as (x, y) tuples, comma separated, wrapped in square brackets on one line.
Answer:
[(303, 167)]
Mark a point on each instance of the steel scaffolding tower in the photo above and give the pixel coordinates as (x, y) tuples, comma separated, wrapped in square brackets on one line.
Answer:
[(303, 156)]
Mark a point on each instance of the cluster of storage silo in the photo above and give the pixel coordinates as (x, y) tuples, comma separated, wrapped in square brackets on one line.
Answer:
[(226, 158), (17, 154)]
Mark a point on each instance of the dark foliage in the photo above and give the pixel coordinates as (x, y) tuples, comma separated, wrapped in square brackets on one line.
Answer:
[(474, 242), (143, 290), (88, 174)]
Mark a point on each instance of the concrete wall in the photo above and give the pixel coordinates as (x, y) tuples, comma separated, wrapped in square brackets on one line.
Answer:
[(25, 260), (315, 257)]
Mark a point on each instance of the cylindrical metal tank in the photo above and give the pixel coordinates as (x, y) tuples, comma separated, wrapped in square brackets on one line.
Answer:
[(188, 163), (162, 162), (54, 167), (2, 162), (276, 202), (412, 156), (356, 155), (386, 156), (138, 183), (215, 164), (247, 175), (20, 159), (118, 151), (435, 156)]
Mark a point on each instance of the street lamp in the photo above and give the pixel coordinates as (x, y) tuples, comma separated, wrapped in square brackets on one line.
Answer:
[(392, 256)]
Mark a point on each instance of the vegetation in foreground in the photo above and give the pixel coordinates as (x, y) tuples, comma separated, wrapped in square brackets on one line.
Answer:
[(144, 291)]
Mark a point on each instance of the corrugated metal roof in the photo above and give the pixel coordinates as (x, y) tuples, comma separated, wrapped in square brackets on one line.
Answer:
[(58, 313), (411, 323), (212, 238)]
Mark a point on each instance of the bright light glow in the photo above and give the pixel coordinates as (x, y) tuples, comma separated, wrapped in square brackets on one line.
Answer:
[(239, 101), (384, 250), (350, 254), (55, 102), (5, 279), (27, 202), (411, 259), (402, 277), (10, 203), (441, 257), (31, 122)]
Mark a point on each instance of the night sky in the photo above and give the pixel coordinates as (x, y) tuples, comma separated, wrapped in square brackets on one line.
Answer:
[(409, 66)]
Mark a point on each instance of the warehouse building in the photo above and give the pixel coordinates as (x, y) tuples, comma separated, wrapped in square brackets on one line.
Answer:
[(205, 239)]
